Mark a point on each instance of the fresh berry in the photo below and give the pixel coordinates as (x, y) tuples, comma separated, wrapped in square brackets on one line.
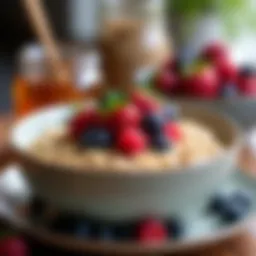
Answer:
[(166, 82), (153, 123), (215, 51), (13, 246), (96, 138), (82, 229), (152, 230), (233, 212), (173, 131), (131, 141), (229, 90), (242, 198), (112, 101), (247, 71), (145, 103), (227, 70), (247, 86), (160, 142), (173, 65), (84, 120), (218, 204), (203, 84), (126, 116), (106, 232), (126, 230), (175, 228), (170, 112)]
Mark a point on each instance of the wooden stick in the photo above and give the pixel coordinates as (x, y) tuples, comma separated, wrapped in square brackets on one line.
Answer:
[(44, 32)]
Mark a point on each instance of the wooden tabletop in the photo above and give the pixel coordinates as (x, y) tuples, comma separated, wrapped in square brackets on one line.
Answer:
[(242, 245)]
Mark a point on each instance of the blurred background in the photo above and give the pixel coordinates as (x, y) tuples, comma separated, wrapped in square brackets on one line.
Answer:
[(80, 21)]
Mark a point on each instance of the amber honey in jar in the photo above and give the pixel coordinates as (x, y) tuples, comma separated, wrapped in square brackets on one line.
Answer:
[(34, 86)]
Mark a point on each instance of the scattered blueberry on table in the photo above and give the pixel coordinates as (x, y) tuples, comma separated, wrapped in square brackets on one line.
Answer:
[(82, 229), (175, 227), (145, 230), (233, 212), (231, 208), (218, 203)]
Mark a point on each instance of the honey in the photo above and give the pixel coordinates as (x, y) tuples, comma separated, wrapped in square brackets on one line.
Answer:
[(33, 88), (28, 96)]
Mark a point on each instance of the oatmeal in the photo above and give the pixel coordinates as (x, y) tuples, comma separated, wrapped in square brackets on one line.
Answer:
[(127, 133), (198, 144)]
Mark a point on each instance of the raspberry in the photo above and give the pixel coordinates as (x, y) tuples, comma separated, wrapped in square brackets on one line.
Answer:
[(131, 141), (247, 86), (215, 51), (83, 121), (166, 81), (127, 116), (203, 84), (144, 103), (173, 131), (226, 70), (152, 230)]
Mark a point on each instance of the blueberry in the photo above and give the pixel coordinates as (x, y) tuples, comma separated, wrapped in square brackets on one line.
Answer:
[(82, 229), (233, 212), (242, 198), (160, 142), (218, 203), (247, 71), (106, 232), (170, 112), (153, 124), (96, 138), (175, 228), (126, 231), (229, 91)]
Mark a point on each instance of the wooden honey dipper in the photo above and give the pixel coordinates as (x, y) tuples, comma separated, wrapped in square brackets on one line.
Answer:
[(121, 52), (43, 29)]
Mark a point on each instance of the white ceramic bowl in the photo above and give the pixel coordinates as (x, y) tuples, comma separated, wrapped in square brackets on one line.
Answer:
[(241, 109), (121, 195)]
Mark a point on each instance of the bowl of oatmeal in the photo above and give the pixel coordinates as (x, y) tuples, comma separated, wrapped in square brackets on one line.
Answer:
[(146, 167)]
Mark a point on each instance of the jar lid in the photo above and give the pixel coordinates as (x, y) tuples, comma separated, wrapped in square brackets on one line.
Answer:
[(31, 62), (31, 53)]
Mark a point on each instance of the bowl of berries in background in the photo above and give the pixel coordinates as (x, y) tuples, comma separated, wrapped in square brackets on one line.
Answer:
[(113, 163), (213, 80)]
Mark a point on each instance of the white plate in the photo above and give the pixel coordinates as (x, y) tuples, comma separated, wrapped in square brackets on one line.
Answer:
[(202, 230)]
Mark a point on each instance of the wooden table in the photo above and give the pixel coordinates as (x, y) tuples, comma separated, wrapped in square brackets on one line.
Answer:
[(243, 245)]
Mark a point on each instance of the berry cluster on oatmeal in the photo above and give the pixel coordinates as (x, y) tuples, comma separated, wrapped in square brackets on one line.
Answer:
[(128, 133)]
